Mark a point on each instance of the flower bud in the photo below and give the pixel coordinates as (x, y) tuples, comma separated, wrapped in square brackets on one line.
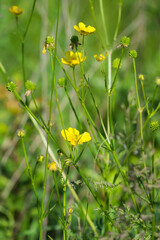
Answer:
[(29, 85), (154, 125), (11, 87), (133, 53), (40, 158), (158, 81), (62, 82), (141, 77), (125, 41), (70, 210), (21, 133), (49, 43)]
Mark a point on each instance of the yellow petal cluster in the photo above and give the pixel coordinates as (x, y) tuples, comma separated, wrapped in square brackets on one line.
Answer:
[(83, 30), (100, 57), (16, 10), (72, 59), (52, 166), (73, 136)]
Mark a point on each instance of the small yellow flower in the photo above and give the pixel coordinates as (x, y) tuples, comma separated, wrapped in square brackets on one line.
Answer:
[(44, 50), (70, 210), (100, 57), (141, 77), (83, 30), (73, 136), (72, 59), (16, 10), (158, 81), (52, 166)]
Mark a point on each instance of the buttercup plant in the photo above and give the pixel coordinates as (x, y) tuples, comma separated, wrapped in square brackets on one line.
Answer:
[(98, 179)]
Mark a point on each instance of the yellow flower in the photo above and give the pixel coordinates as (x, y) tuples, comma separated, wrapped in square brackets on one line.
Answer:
[(52, 166), (44, 50), (72, 59), (73, 136), (83, 30), (100, 57), (16, 10)]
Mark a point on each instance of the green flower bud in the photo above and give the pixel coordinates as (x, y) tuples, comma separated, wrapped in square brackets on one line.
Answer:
[(49, 40), (133, 53), (21, 133), (62, 82), (141, 77), (11, 87), (116, 63), (125, 41), (154, 125), (49, 43), (59, 152), (74, 39), (29, 85), (74, 42)]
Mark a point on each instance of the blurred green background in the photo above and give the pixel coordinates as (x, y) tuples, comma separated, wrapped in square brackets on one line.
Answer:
[(140, 21)]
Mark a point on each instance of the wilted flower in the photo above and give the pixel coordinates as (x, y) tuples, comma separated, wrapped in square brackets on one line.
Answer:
[(73, 136), (100, 57), (72, 59), (83, 30), (16, 10)]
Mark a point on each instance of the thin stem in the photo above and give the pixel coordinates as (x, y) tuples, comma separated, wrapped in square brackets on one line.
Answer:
[(93, 193), (119, 19), (144, 96), (94, 19), (74, 110), (37, 108), (29, 21), (125, 180), (103, 21), (31, 176), (153, 190), (140, 110), (153, 98)]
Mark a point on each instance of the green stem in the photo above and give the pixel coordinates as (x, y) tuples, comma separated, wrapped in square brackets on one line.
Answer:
[(119, 19), (125, 180), (153, 98), (94, 19), (103, 21), (93, 194), (29, 21), (144, 96), (37, 108), (74, 110), (31, 176), (140, 110), (153, 191)]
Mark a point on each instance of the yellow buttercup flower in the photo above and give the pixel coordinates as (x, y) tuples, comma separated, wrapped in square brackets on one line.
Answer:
[(73, 136), (16, 10), (52, 166), (100, 57), (83, 30), (72, 59)]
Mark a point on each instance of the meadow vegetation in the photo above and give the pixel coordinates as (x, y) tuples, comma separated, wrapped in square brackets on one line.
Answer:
[(79, 120)]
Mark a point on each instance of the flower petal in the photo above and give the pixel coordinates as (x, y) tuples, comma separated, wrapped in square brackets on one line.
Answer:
[(85, 137)]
